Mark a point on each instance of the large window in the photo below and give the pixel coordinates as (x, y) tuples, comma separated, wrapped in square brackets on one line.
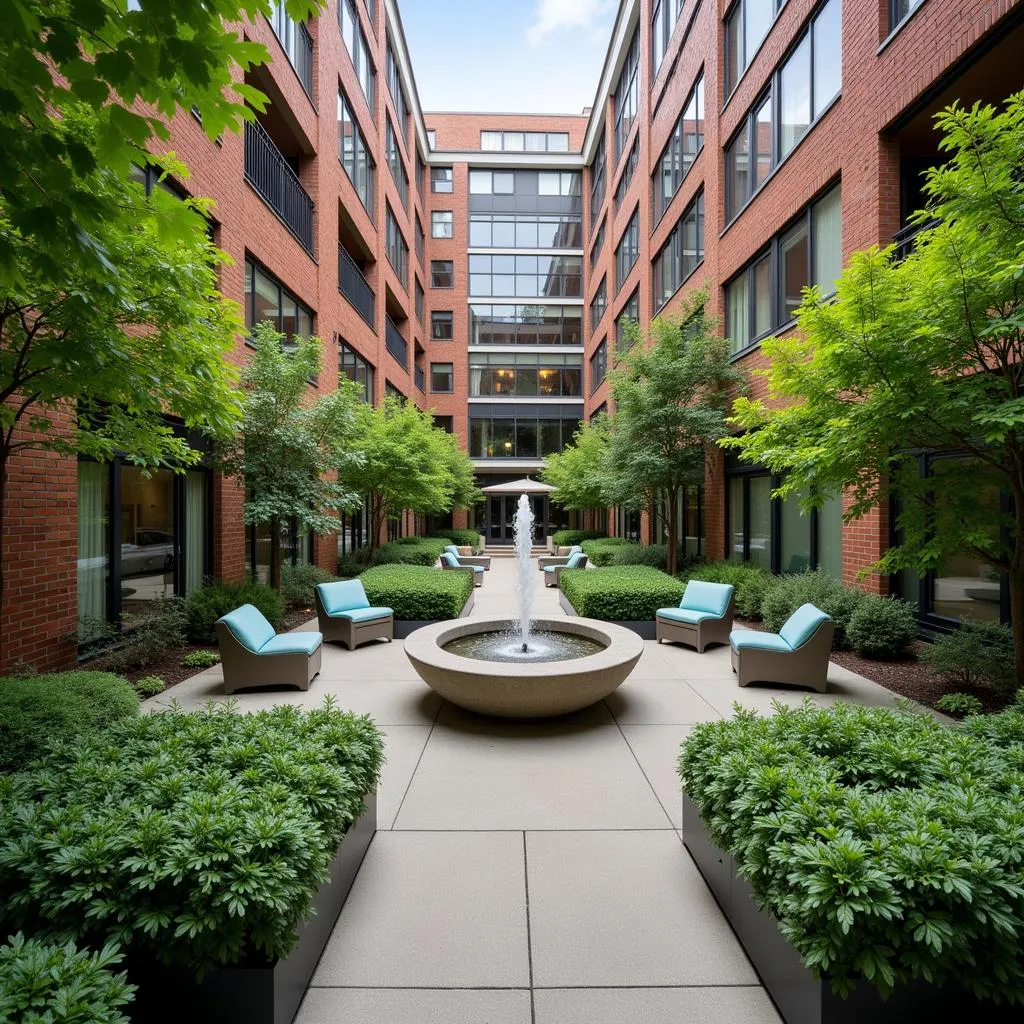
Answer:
[(598, 179), (599, 303), (394, 158), (559, 183), (628, 249), (442, 378), (598, 365), (396, 90), (420, 299), (598, 245), (525, 325), (746, 25), (796, 97), (442, 325), (525, 374), (397, 249), (525, 231), (663, 21), (441, 179), (352, 365), (547, 276), (421, 240), (492, 183), (764, 296), (681, 254), (627, 94), (627, 172), (442, 274), (525, 142), (354, 154), (267, 299), (900, 9), (519, 437), (685, 142), (441, 224), (630, 312), (358, 51)]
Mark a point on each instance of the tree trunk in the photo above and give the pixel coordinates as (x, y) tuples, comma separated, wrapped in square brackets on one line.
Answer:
[(673, 529), (1017, 596), (275, 553), (3, 533), (376, 522)]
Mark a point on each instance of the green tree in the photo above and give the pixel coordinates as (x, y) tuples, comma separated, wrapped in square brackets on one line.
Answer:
[(404, 462), (921, 354), (577, 472), (289, 447), (671, 398)]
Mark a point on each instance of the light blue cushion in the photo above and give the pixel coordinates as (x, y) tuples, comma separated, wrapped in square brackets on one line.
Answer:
[(248, 626), (475, 568), (449, 559), (802, 625), (685, 615), (363, 614), (751, 638), (452, 549), (550, 568), (574, 549), (293, 643), (574, 559), (707, 597), (341, 596)]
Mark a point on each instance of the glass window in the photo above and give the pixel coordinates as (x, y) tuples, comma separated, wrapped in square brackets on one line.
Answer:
[(598, 365), (358, 51), (682, 252), (442, 376), (793, 269), (762, 144), (627, 94), (442, 325), (627, 172), (680, 151), (442, 274), (795, 535), (663, 20), (828, 55), (266, 299), (354, 155), (737, 533), (480, 183), (490, 141), (93, 547), (395, 88), (597, 179), (899, 9), (441, 224), (397, 250), (394, 158), (599, 303), (352, 365), (830, 536), (826, 241), (761, 275), (628, 249), (504, 183), (737, 312), (795, 97), (746, 25), (441, 179), (737, 166), (760, 513), (147, 536), (432, 138)]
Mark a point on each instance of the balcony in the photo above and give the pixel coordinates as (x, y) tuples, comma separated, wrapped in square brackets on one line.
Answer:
[(355, 287), (395, 343), (421, 379), (905, 239), (268, 172)]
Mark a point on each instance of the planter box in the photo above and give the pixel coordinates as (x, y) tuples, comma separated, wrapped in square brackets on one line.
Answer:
[(403, 627), (259, 994), (799, 997), (642, 627)]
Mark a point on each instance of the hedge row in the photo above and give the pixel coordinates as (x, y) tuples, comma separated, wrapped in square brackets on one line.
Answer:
[(461, 538), (418, 592), (566, 538), (626, 593), (410, 551)]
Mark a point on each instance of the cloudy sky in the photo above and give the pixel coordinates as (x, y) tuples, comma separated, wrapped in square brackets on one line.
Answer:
[(531, 56)]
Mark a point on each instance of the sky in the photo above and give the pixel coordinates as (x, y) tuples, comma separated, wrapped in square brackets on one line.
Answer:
[(523, 56)]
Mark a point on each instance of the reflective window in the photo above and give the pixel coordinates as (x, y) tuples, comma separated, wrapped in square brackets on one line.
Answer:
[(682, 252), (598, 244), (397, 92), (520, 437), (599, 303), (267, 299), (493, 324), (394, 158), (746, 25), (358, 51), (627, 94), (598, 365), (442, 325), (441, 224), (442, 378), (663, 21), (530, 142), (628, 250), (525, 231), (559, 183), (685, 142), (352, 365), (630, 312), (432, 138), (397, 250), (487, 183), (627, 172), (548, 276), (597, 179), (354, 155), (441, 179), (525, 375), (442, 274)]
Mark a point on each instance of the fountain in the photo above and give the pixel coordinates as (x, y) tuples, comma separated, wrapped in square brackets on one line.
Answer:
[(523, 667)]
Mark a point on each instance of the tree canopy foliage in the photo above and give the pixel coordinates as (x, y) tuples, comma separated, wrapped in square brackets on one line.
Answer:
[(577, 472)]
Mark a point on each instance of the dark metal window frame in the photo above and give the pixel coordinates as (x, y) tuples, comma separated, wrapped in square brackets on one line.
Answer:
[(451, 379), (631, 235), (676, 237), (434, 271), (656, 177)]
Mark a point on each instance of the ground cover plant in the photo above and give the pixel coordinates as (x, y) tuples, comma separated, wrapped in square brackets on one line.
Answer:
[(886, 845), (410, 551), (35, 710), (191, 840), (626, 593), (45, 983), (203, 607), (200, 659), (417, 592)]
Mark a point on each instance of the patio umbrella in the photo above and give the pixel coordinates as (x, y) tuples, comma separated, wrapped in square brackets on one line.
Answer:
[(524, 486)]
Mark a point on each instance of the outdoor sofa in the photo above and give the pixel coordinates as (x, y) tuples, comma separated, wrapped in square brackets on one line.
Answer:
[(546, 561)]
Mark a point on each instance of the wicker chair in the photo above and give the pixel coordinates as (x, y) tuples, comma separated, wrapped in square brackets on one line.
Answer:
[(704, 616), (798, 654), (344, 614)]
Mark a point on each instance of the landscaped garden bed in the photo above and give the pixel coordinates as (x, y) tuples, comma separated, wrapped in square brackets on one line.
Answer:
[(627, 595), (418, 594), (874, 849)]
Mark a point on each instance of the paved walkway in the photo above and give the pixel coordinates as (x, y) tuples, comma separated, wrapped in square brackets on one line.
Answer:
[(533, 873)]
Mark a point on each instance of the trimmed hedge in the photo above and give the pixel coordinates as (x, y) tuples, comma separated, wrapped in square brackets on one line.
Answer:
[(653, 555), (193, 840), (417, 592), (566, 538), (203, 607), (819, 588), (600, 552), (410, 551), (886, 845), (628, 593), (42, 983), (37, 710), (461, 538), (750, 582), (882, 628)]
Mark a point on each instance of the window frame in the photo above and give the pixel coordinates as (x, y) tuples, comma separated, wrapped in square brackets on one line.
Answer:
[(630, 234), (449, 181), (442, 317), (676, 147), (437, 218), (450, 390), (434, 264), (677, 239)]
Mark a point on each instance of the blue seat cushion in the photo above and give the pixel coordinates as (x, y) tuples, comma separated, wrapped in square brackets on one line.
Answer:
[(574, 549), (342, 596), (685, 615), (550, 568), (802, 625), (449, 559), (363, 614), (293, 643), (574, 559), (248, 626), (707, 597), (751, 639), (475, 568), (452, 549)]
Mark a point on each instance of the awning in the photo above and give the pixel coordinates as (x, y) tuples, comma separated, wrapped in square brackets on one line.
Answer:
[(524, 486)]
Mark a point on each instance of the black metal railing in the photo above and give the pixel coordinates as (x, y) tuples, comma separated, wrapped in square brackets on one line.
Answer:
[(905, 239), (303, 62), (268, 172), (355, 287), (396, 344), (421, 379)]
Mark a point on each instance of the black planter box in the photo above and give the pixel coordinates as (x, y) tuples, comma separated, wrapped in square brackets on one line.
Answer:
[(264, 994), (642, 627), (799, 997), (403, 627)]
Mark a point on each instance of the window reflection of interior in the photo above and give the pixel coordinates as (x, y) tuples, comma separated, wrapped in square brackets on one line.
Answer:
[(553, 276), (525, 375), (522, 437), (525, 325)]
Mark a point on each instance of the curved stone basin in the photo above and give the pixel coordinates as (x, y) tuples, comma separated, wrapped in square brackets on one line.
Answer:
[(513, 690)]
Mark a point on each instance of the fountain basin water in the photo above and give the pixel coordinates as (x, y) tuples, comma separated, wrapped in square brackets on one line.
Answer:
[(523, 688)]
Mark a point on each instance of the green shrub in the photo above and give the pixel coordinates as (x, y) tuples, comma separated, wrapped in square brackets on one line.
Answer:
[(298, 582), (42, 983), (192, 840), (37, 709), (149, 686), (601, 552), (203, 607), (566, 538), (145, 636), (460, 538), (886, 845), (959, 704), (410, 551), (653, 555), (620, 593), (882, 628), (750, 583), (200, 659), (352, 563), (978, 652), (417, 592), (819, 588)]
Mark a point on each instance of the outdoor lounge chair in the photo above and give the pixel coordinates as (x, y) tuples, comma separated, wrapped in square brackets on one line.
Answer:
[(797, 654), (553, 573), (252, 654), (483, 561), (704, 616), (344, 614), (549, 560), (449, 561)]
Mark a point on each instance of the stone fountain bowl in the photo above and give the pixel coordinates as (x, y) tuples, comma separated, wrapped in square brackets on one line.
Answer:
[(528, 690)]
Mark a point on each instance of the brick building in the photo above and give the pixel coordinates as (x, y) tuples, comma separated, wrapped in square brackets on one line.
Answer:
[(482, 266)]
